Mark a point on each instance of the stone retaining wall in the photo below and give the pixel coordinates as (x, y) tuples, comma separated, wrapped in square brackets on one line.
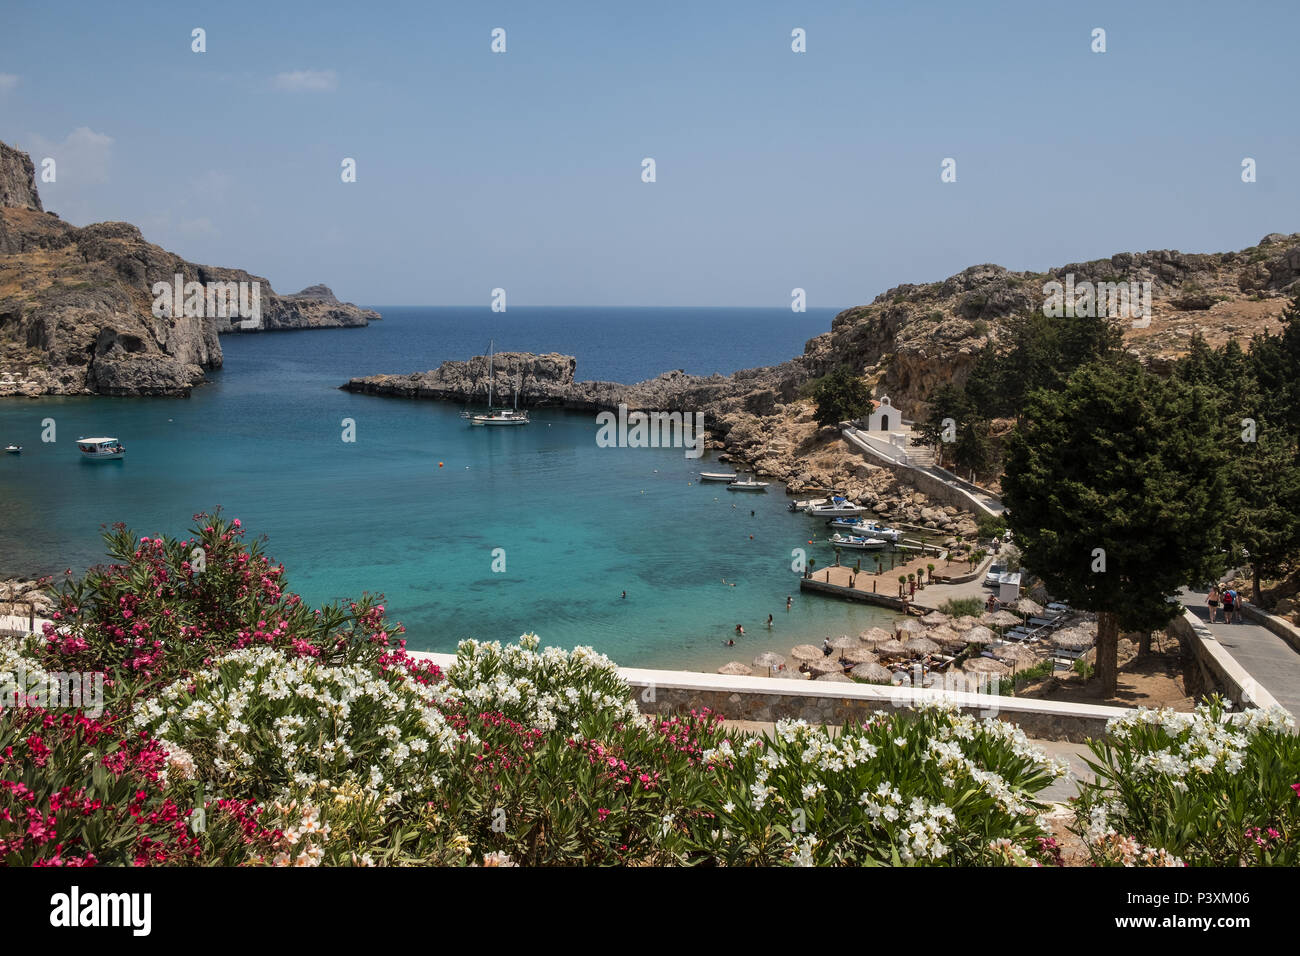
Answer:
[(928, 484), (819, 702)]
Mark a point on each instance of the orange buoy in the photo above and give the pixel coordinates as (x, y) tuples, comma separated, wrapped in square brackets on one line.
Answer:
[(439, 464)]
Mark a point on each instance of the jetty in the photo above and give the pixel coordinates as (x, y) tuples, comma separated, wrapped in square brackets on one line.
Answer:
[(951, 581)]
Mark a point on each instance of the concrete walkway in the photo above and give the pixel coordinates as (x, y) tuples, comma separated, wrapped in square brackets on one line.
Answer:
[(978, 497), (1271, 661)]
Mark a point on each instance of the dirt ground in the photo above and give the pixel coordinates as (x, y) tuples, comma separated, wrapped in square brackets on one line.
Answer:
[(1157, 680)]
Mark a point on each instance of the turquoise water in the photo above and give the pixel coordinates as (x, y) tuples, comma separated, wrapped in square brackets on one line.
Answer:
[(579, 524)]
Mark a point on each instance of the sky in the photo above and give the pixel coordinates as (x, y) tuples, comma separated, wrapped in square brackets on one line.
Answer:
[(774, 170)]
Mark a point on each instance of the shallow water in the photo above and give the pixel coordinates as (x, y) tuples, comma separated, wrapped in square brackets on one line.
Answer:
[(579, 524)]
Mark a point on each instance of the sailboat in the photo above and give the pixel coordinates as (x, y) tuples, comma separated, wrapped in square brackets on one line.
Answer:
[(497, 416)]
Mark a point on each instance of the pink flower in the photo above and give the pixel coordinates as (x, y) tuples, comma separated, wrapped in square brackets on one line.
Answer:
[(603, 813)]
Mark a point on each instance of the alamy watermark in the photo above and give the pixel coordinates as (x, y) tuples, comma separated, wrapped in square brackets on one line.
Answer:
[(652, 430), (53, 690), (215, 300), (1114, 300)]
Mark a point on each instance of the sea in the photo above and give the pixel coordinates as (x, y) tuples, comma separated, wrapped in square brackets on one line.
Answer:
[(482, 533)]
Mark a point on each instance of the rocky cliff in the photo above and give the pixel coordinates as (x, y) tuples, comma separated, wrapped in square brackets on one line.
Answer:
[(78, 312), (913, 338), (17, 180)]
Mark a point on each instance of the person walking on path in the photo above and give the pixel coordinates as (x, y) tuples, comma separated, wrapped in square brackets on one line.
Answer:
[(1229, 605), (1213, 602)]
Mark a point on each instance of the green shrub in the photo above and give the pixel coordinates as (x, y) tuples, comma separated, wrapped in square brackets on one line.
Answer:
[(1209, 788), (960, 607)]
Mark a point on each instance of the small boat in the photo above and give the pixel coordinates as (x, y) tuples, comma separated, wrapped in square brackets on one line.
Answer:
[(857, 542), (806, 504), (749, 484), (867, 527), (835, 508), (719, 476), (101, 449), (14, 449)]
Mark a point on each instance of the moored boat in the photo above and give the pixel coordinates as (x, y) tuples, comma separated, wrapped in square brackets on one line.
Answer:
[(13, 449), (749, 484), (101, 449), (719, 476), (496, 416), (835, 508), (857, 542), (806, 503), (866, 527)]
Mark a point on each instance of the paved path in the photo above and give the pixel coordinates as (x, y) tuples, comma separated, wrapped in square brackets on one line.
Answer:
[(1273, 662), (976, 495)]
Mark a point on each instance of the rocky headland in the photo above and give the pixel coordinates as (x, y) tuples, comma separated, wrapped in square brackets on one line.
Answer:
[(906, 343), (77, 304)]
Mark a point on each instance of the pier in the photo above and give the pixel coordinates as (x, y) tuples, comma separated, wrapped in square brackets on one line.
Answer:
[(951, 581)]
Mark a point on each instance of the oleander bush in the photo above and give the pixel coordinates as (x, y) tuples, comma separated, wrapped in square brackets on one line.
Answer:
[(1209, 788), (240, 727)]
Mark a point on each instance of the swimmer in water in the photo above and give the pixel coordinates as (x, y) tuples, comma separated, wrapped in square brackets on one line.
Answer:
[(769, 620)]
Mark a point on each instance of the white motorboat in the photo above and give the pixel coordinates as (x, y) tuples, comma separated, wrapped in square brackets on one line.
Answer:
[(866, 527), (806, 504), (13, 449), (835, 508), (496, 416), (719, 476), (101, 449), (857, 542), (749, 484)]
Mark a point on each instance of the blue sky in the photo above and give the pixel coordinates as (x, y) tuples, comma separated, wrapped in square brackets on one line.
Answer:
[(775, 170)]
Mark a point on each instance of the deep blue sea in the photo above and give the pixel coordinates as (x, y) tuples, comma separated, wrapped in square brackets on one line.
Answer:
[(415, 507)]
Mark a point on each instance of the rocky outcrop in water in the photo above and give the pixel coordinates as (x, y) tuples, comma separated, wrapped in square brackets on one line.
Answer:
[(548, 381), (77, 305)]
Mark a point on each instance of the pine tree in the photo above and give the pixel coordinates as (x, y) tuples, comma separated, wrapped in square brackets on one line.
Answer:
[(1115, 486)]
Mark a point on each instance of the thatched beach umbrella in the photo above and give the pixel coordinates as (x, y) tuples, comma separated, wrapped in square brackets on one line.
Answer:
[(985, 665), (1014, 654), (858, 655), (945, 635), (844, 641), (835, 676), (999, 619), (890, 649), (920, 645), (735, 667), (1073, 639), (806, 652), (827, 665), (873, 674), (875, 635), (1028, 608), (965, 622), (934, 618), (978, 635), (769, 659), (909, 625)]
